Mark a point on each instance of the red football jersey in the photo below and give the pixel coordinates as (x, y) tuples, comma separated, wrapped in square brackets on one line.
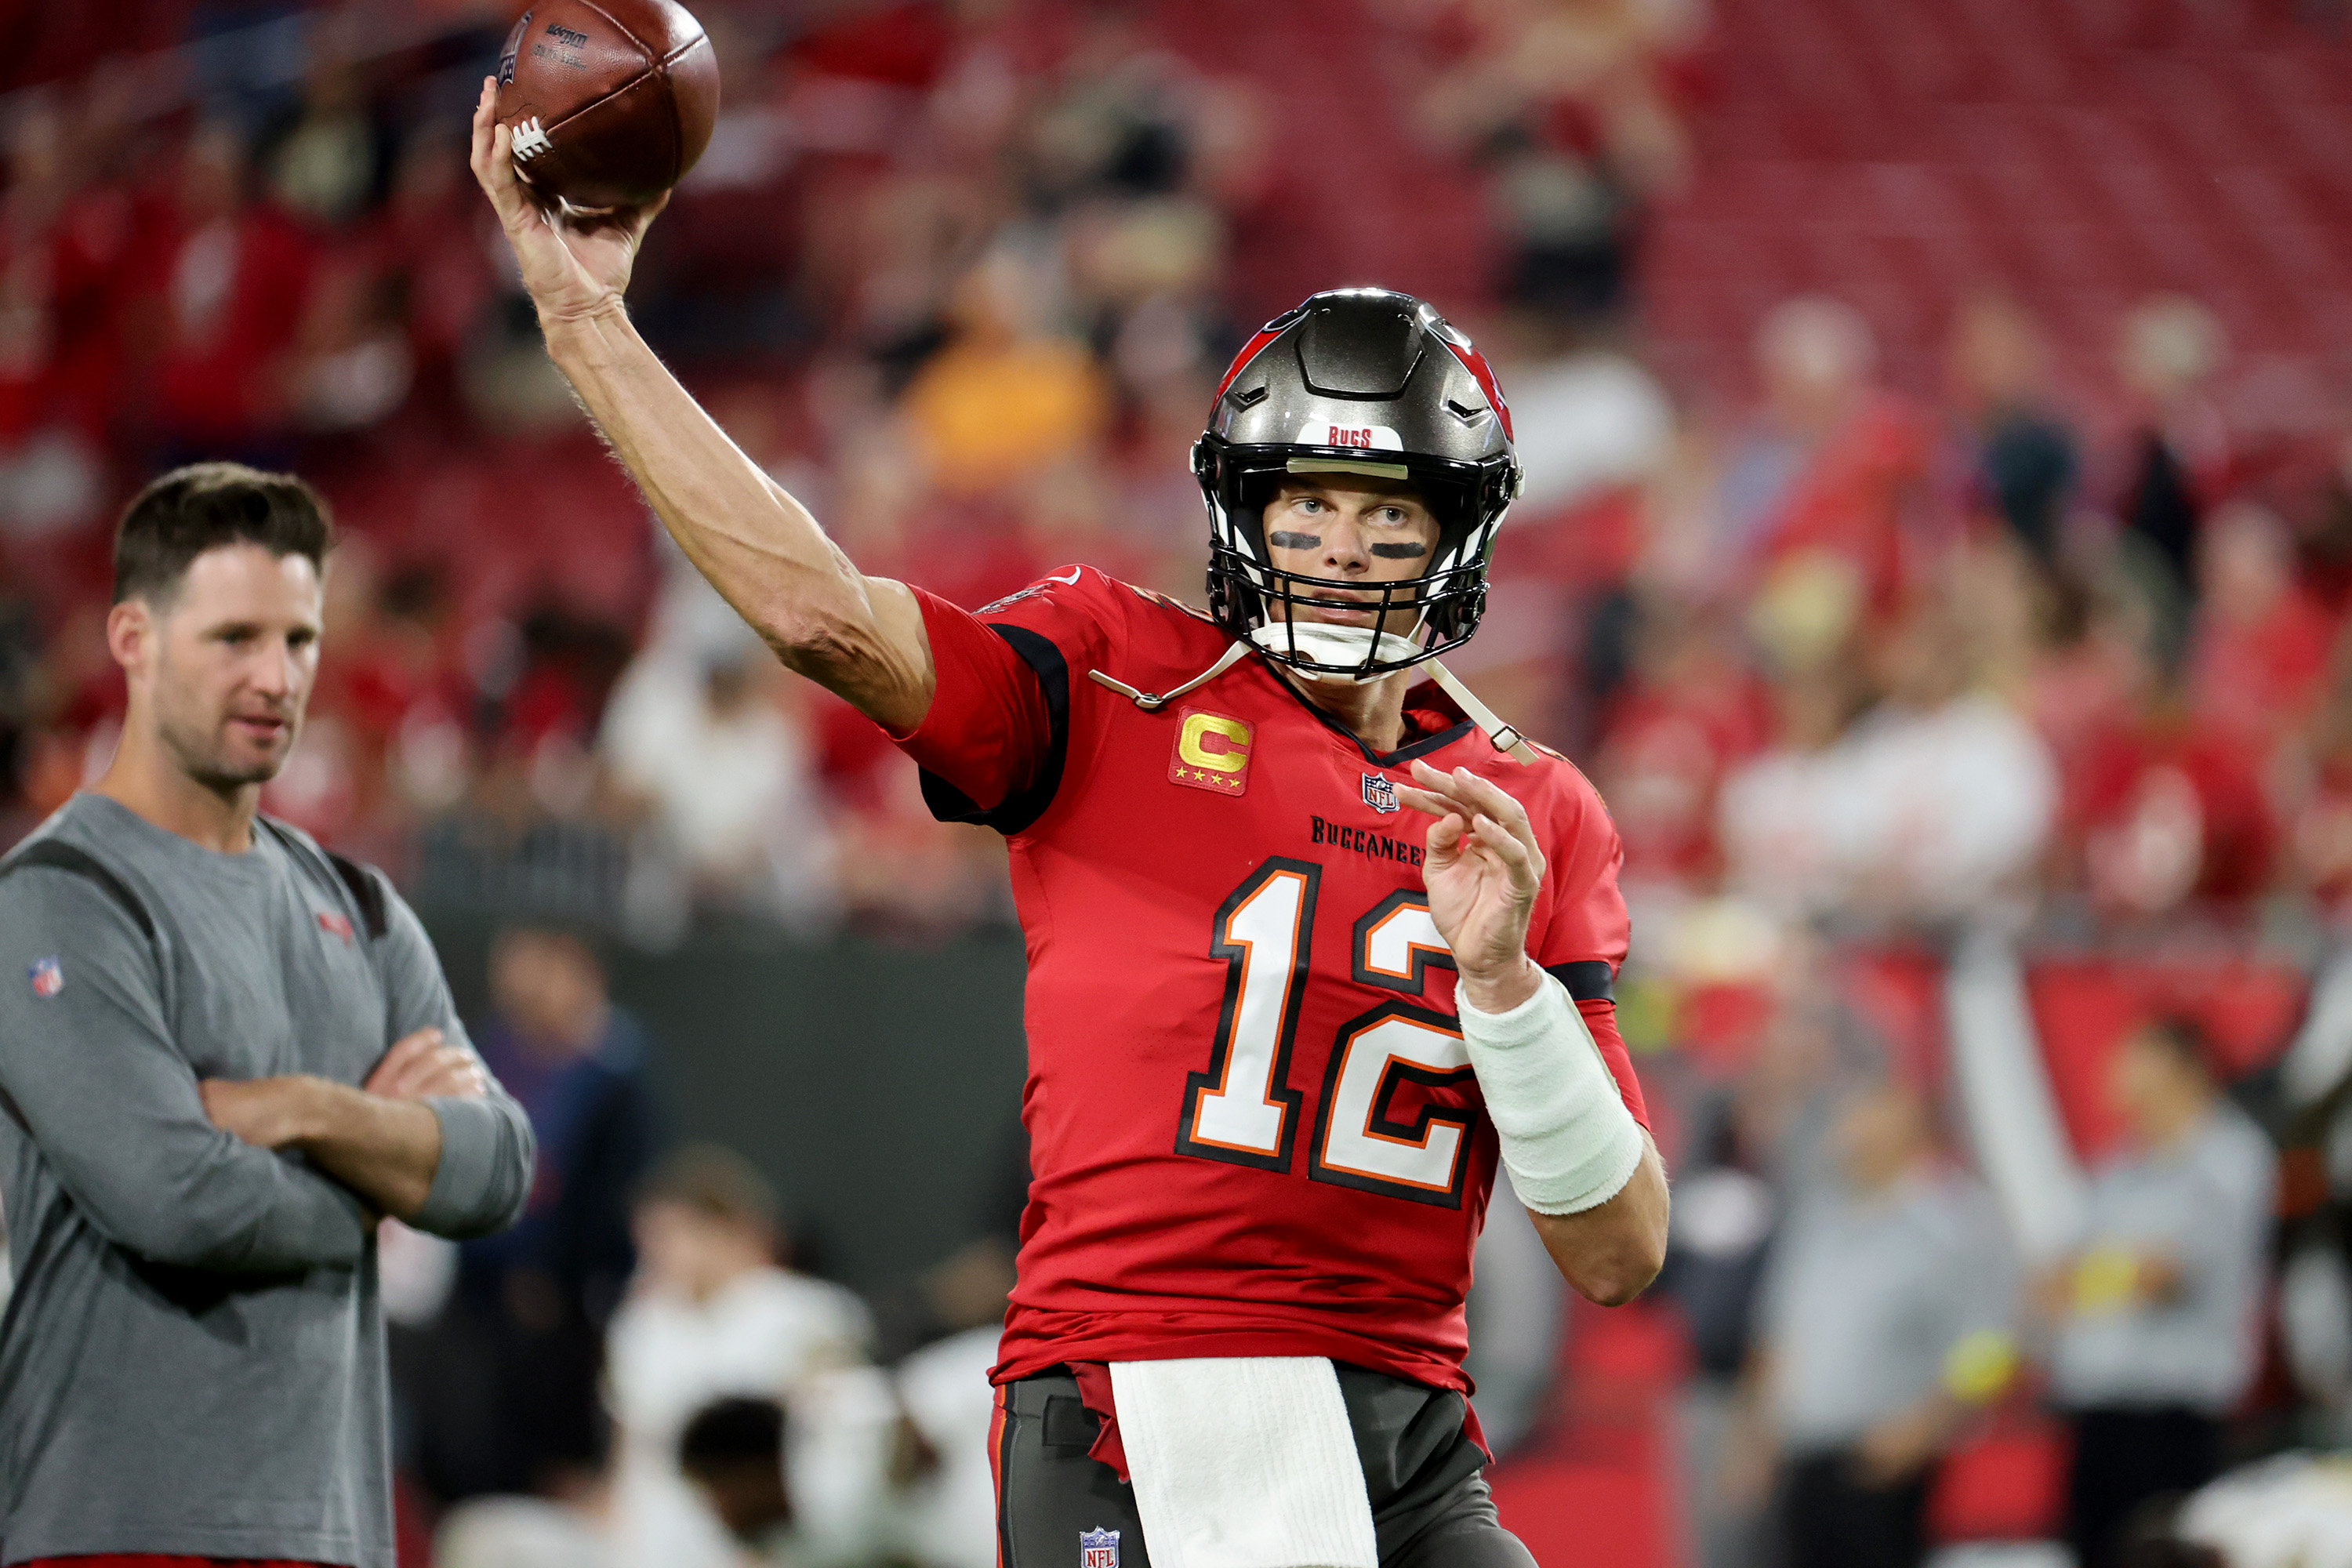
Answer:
[(1254, 1130)]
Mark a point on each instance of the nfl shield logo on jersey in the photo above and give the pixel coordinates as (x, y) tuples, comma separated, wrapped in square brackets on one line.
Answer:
[(1379, 793), (49, 977), (1098, 1549)]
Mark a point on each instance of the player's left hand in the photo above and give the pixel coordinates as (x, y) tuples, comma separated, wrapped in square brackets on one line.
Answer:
[(267, 1112), (1483, 867)]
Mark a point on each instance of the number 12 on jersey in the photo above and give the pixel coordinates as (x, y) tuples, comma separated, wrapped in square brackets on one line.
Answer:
[(1243, 1110)]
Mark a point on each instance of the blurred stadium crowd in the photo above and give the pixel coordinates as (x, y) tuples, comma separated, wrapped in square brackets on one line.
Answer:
[(1858, 665)]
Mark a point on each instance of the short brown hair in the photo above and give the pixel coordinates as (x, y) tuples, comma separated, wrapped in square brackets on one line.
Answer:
[(204, 506), (715, 1182)]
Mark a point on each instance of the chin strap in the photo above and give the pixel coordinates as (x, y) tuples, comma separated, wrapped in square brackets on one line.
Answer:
[(1153, 701), (1505, 738)]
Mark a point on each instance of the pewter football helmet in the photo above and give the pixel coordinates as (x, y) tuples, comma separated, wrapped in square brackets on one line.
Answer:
[(1363, 381)]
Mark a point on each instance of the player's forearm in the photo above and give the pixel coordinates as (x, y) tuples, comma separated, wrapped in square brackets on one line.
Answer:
[(758, 546), (1610, 1252), (386, 1151)]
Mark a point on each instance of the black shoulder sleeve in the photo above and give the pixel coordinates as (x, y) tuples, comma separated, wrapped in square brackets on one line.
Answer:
[(1023, 807), (366, 885), (77, 862), (60, 857)]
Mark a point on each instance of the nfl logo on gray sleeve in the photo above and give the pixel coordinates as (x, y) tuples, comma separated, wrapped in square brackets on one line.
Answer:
[(1098, 1549), (1379, 793)]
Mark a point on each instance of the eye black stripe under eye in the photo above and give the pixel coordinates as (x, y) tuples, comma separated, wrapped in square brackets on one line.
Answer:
[(1400, 552)]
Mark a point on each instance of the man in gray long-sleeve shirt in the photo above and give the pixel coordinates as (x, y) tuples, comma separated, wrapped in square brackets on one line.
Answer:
[(224, 1053), (2157, 1318)]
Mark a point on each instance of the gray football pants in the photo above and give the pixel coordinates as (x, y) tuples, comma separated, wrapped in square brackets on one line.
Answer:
[(1430, 1504)]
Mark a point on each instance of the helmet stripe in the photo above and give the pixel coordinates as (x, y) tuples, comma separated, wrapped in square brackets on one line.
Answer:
[(1475, 364), (1240, 363)]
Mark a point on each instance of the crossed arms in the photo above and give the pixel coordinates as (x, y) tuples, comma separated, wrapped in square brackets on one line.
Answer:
[(273, 1176)]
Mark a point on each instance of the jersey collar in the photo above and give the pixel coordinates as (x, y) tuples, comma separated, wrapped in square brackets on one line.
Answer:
[(1423, 696)]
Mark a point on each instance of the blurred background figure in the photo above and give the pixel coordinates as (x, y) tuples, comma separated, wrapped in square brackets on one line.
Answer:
[(727, 780), (2027, 458), (2156, 1320), (1884, 1322), (732, 1454), (712, 1313), (2171, 347), (506, 1384)]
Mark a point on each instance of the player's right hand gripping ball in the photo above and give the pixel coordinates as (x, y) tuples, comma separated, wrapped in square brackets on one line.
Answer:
[(609, 104)]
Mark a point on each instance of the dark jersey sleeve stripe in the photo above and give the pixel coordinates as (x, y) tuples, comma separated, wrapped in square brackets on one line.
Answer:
[(66, 858), (1588, 980), (1024, 807), (367, 891), (60, 857)]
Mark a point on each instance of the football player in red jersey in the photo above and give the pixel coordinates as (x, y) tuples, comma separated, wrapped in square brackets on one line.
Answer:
[(1278, 1040)]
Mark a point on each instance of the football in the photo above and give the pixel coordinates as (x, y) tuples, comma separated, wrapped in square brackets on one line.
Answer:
[(609, 103)]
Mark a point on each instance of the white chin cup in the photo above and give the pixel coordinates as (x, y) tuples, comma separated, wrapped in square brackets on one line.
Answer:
[(1348, 646)]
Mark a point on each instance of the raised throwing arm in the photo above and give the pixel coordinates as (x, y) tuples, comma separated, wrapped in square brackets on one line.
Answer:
[(860, 637)]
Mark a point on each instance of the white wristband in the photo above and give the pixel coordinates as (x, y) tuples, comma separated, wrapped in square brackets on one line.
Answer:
[(1568, 1140)]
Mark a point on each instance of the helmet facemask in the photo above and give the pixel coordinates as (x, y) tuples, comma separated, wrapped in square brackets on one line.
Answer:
[(1254, 599)]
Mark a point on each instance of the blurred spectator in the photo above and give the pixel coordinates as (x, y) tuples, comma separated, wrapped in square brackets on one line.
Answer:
[(733, 1451), (506, 1385), (1723, 1223), (2168, 813), (946, 1507), (2294, 1510), (1936, 804), (2156, 1331), (1824, 487), (1574, 108), (1687, 716), (231, 275), (712, 1314), (2262, 642), (519, 1532), (2321, 826), (726, 775), (2025, 456), (1777, 819), (1583, 417), (2171, 348), (1006, 396), (1885, 1320)]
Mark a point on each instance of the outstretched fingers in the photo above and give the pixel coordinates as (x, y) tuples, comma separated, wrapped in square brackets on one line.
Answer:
[(493, 160)]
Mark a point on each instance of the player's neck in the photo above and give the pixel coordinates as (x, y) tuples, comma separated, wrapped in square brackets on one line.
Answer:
[(1373, 712), (142, 778)]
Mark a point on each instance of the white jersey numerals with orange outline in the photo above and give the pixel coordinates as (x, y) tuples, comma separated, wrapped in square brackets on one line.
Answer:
[(1242, 1110)]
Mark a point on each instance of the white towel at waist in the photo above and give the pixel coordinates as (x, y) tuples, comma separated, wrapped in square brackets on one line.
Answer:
[(1244, 1462)]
